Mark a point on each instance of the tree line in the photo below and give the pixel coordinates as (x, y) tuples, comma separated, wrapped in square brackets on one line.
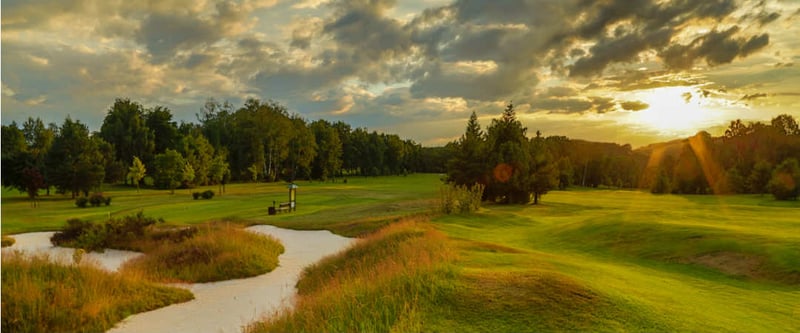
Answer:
[(753, 158), (260, 141), (263, 141)]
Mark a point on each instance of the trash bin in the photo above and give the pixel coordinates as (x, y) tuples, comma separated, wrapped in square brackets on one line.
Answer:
[(271, 210)]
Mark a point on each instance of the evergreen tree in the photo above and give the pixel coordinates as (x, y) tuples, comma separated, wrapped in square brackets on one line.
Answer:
[(75, 163), (468, 165), (510, 160)]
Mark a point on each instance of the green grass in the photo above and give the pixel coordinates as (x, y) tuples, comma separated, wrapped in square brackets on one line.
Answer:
[(41, 296), (663, 263), (362, 205), (583, 260), (218, 252)]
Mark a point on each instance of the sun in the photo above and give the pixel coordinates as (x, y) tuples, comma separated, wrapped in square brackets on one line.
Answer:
[(674, 111)]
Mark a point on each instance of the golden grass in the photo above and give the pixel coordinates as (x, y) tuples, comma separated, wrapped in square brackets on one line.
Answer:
[(218, 252), (39, 295), (381, 284)]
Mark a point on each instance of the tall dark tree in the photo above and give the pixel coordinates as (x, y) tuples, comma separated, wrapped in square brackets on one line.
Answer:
[(328, 161), (544, 170), (165, 130), (302, 150), (124, 127), (509, 159), (75, 163), (468, 165)]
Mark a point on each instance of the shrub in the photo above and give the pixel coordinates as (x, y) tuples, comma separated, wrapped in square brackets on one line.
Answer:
[(96, 199), (208, 194), (196, 195), (114, 233), (82, 202), (461, 198)]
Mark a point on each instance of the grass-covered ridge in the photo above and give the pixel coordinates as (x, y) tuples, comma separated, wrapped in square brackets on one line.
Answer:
[(387, 282), (42, 296), (221, 251)]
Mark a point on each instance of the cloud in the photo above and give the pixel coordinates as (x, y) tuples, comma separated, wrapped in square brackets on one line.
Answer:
[(715, 47), (750, 97), (633, 105)]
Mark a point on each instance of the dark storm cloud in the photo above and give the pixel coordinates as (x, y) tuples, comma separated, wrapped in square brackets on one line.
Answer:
[(619, 49), (715, 47), (653, 26), (633, 105)]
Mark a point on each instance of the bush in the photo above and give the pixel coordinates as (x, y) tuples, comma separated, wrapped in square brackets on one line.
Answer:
[(114, 233), (205, 195), (461, 198), (96, 199), (82, 202)]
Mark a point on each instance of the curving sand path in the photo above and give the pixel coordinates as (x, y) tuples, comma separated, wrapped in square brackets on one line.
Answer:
[(224, 306)]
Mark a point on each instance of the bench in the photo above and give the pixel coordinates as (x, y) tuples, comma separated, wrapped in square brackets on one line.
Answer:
[(283, 206)]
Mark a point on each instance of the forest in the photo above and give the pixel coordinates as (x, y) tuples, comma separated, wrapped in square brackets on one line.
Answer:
[(263, 141)]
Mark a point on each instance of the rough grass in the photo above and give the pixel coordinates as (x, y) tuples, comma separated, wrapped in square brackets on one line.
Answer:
[(42, 296), (218, 252), (385, 283)]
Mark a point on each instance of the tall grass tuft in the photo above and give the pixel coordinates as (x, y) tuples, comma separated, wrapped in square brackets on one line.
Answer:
[(42, 296), (217, 252), (381, 284)]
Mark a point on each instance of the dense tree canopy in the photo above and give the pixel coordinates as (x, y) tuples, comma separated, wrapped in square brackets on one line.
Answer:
[(263, 141)]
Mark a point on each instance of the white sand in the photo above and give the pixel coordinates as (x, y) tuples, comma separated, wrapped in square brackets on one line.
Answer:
[(39, 242), (224, 306), (227, 306)]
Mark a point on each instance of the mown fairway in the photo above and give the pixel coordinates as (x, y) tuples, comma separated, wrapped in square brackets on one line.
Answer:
[(590, 260)]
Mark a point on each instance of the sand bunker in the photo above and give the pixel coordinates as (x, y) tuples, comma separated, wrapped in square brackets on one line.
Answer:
[(224, 306), (39, 242)]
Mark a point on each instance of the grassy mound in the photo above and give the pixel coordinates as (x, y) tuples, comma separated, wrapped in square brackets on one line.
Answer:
[(208, 253), (215, 253), (42, 296), (734, 253), (384, 283)]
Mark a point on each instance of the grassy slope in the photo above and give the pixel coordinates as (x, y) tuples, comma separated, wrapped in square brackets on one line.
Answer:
[(637, 255)]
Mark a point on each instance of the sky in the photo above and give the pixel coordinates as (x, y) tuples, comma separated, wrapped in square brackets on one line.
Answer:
[(634, 72)]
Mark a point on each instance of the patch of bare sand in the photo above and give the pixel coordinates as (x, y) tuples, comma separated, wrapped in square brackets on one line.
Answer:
[(227, 306), (731, 263)]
